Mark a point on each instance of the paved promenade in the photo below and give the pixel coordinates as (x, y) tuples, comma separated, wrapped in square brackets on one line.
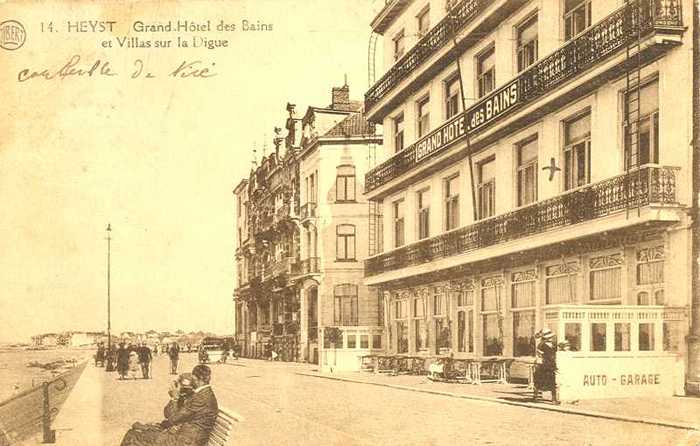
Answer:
[(290, 404)]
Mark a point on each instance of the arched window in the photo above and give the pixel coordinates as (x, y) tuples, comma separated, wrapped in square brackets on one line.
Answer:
[(345, 242), (345, 297), (345, 183)]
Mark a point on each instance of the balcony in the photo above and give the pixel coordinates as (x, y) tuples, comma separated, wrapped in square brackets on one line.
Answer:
[(442, 33), (646, 186), (600, 41), (308, 210), (312, 265), (283, 266)]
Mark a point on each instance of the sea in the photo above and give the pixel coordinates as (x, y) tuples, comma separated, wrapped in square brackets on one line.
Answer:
[(16, 376)]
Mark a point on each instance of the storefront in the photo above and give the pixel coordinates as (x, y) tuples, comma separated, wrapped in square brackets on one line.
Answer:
[(606, 296)]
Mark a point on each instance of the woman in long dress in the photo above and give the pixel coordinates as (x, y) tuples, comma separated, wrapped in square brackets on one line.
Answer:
[(134, 365)]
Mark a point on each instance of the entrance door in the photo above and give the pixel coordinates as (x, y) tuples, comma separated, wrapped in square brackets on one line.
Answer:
[(312, 318)]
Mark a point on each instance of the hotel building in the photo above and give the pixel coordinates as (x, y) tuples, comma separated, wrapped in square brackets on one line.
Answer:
[(538, 177)]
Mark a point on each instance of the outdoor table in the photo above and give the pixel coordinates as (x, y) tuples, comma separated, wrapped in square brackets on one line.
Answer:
[(369, 363), (497, 366)]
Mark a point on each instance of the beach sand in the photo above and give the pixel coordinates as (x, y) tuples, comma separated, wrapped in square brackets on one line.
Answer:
[(16, 377)]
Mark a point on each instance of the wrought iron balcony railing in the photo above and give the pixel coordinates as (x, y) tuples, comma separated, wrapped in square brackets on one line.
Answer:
[(284, 266), (308, 210), (308, 266), (648, 185), (606, 37), (436, 38)]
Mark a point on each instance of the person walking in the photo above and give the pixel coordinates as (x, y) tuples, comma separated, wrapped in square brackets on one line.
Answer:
[(546, 365), (122, 361), (133, 363), (145, 358), (174, 354)]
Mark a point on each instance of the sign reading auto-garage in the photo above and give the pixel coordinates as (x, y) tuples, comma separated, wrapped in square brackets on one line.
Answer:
[(481, 114)]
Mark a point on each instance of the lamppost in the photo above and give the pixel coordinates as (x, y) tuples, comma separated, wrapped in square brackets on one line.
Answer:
[(110, 366)]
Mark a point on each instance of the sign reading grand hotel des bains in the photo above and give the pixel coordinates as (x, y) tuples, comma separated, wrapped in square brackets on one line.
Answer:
[(481, 114)]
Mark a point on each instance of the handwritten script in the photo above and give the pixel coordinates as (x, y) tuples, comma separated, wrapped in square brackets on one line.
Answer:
[(75, 67)]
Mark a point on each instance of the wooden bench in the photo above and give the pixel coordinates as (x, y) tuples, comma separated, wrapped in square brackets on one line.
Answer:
[(222, 434)]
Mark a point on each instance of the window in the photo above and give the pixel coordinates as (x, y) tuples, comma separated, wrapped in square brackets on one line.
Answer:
[(572, 333), (487, 188), (376, 341), (645, 149), (622, 337), (452, 203), (398, 224), (453, 101), (420, 325), (364, 341), (524, 333), (486, 71), (401, 316), (577, 151), (345, 183), (345, 297), (650, 275), (598, 337), (527, 43), (577, 17), (527, 172), (398, 133), (311, 193), (443, 337), (423, 205), (352, 341), (423, 116), (240, 205), (399, 45), (560, 283), (345, 242), (523, 296), (606, 278), (492, 322), (646, 337), (423, 21), (465, 320)]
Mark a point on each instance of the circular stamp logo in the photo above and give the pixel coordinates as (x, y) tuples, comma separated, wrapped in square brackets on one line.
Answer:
[(12, 35)]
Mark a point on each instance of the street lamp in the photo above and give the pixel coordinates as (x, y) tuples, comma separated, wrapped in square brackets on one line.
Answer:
[(110, 366)]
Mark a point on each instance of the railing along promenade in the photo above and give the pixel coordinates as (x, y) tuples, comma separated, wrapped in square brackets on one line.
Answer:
[(31, 412)]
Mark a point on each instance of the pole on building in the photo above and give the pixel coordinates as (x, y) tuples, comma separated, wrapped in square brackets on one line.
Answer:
[(693, 340)]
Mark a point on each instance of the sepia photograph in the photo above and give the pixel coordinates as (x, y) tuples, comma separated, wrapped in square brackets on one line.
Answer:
[(349, 222)]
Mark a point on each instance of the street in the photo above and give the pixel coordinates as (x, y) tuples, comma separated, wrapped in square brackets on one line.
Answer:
[(280, 407)]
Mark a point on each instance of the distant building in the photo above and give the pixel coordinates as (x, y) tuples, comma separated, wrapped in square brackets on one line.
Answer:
[(301, 220)]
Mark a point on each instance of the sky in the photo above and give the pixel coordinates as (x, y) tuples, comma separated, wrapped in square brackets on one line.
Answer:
[(157, 158)]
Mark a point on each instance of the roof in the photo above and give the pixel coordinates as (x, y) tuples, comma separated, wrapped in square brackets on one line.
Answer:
[(354, 124), (391, 10)]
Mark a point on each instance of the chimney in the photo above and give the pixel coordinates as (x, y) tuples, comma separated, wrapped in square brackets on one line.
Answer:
[(341, 98)]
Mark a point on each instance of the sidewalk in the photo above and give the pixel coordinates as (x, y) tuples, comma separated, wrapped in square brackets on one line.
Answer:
[(678, 412), (78, 422)]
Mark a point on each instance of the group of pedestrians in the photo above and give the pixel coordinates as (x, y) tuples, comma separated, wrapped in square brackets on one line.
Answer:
[(130, 359)]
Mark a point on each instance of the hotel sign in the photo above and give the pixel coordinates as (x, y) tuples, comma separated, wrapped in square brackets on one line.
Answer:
[(480, 115)]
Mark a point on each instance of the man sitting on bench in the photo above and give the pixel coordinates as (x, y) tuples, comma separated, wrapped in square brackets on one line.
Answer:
[(189, 416)]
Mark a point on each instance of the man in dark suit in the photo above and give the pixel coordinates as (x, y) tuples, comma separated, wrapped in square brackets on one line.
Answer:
[(174, 353), (145, 357), (190, 415)]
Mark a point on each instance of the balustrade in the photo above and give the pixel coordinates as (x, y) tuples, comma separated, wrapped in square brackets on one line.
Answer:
[(650, 184)]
